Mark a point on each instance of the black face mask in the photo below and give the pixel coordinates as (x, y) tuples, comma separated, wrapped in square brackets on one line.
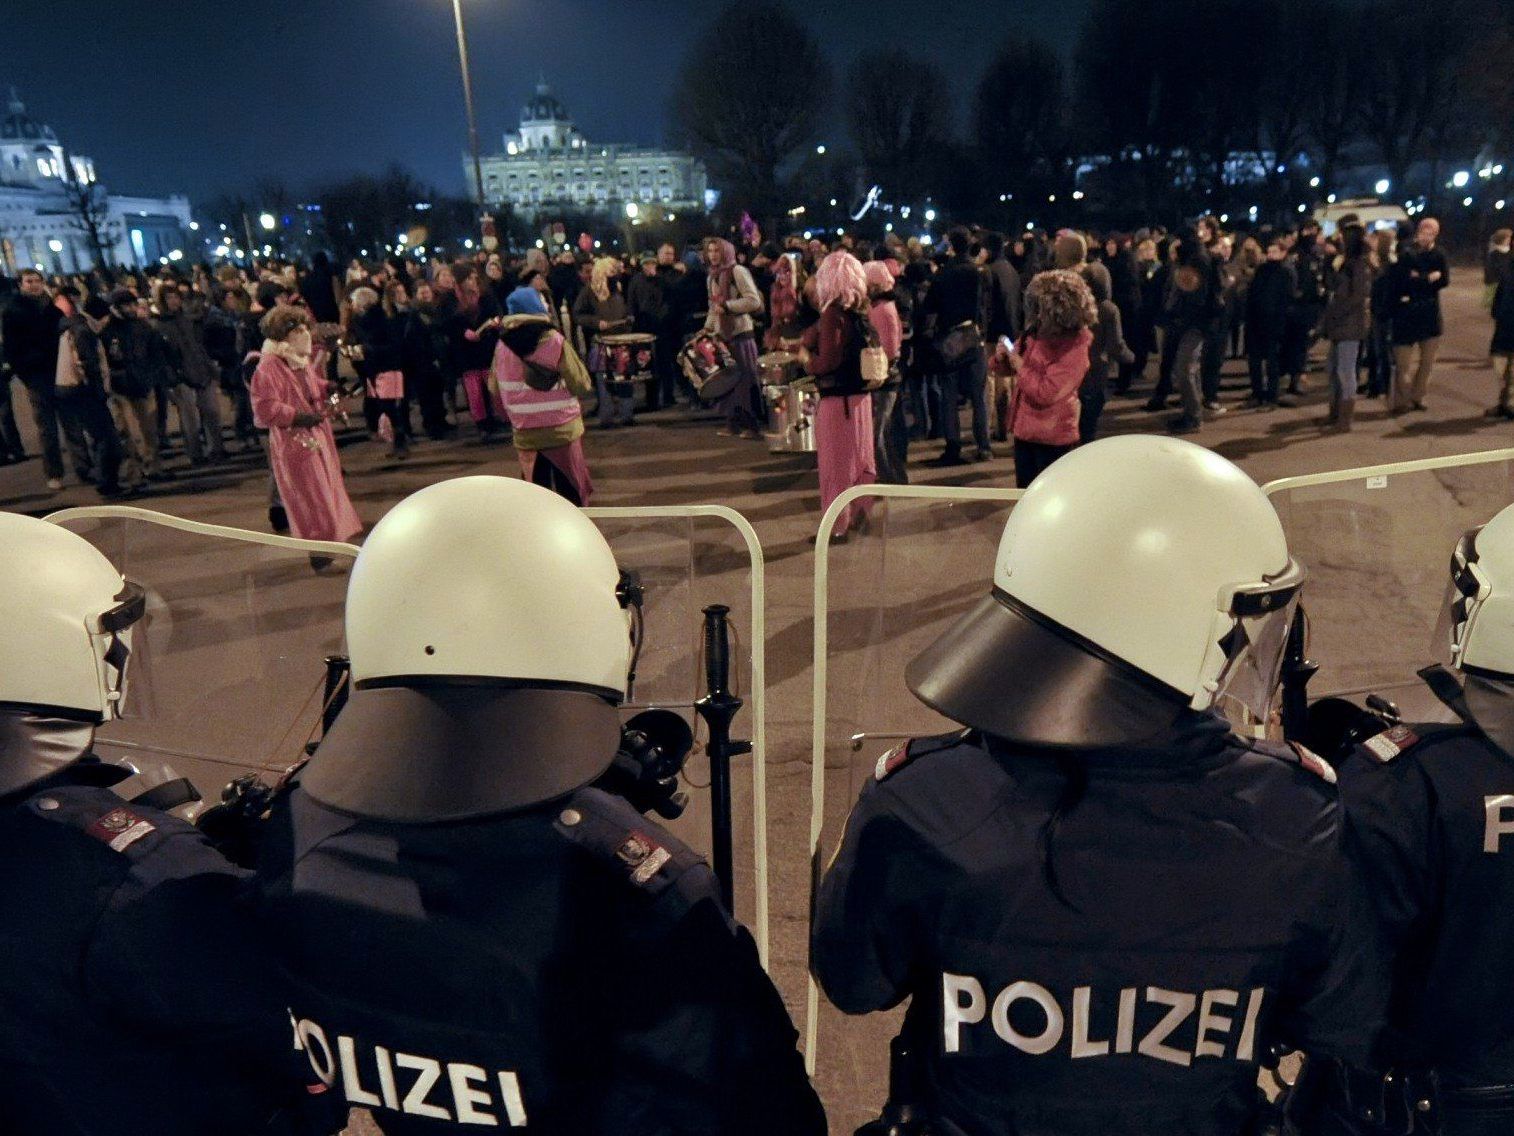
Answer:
[(1490, 702), (36, 743)]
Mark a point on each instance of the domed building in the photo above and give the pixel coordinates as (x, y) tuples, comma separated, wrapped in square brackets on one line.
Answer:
[(548, 162), (39, 226)]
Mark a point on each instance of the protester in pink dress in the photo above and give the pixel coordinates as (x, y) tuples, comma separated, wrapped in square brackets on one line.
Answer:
[(844, 418), (289, 401)]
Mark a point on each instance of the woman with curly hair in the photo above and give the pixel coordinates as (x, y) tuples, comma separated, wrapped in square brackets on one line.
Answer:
[(1050, 362), (289, 392), (844, 419)]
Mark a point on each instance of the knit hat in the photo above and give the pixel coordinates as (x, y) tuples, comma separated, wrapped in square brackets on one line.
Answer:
[(96, 307)]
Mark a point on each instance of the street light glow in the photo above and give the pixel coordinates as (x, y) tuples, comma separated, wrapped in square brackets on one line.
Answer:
[(633, 210), (55, 244), (1314, 183), (1460, 178), (930, 215), (1383, 186), (267, 221), (820, 149)]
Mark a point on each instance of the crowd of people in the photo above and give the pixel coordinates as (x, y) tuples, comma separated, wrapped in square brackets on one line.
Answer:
[(117, 364)]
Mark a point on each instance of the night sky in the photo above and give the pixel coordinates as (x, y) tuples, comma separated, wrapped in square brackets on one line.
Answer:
[(208, 96)]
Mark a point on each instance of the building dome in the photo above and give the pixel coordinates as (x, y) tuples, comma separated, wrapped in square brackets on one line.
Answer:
[(18, 126), (544, 107)]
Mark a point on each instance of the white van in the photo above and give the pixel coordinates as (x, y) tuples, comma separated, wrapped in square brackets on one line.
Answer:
[(1369, 211)]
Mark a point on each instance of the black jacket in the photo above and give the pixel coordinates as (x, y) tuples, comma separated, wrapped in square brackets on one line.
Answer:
[(29, 329), (1267, 302), (567, 965), (133, 993), (1004, 306), (139, 362), (1415, 297), (955, 296), (378, 336), (1208, 910), (1431, 808)]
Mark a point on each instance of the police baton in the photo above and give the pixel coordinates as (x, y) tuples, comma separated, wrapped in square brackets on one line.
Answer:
[(718, 707)]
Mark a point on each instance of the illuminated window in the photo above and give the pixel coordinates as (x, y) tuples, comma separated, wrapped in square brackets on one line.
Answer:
[(44, 168)]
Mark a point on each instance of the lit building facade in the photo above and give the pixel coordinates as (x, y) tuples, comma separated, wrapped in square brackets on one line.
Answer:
[(547, 163), (38, 228)]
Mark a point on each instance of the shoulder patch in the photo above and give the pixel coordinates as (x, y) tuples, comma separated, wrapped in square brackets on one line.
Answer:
[(98, 813), (617, 834), (1390, 743), (892, 760), (1313, 762), (906, 752)]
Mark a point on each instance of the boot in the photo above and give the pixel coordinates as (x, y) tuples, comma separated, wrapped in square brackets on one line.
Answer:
[(1334, 414), (1347, 413)]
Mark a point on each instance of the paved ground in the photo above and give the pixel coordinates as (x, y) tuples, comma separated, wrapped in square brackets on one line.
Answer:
[(1374, 556)]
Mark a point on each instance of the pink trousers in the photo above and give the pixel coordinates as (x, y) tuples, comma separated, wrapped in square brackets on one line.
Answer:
[(475, 385), (561, 469)]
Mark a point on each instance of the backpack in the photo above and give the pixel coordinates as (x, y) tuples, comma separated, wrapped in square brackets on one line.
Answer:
[(869, 373), (69, 372)]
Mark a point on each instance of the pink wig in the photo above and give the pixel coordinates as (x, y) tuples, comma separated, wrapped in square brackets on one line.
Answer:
[(878, 276), (840, 279)]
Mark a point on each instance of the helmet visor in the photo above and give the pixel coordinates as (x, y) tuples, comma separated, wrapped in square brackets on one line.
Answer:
[(121, 637), (1466, 589), (1256, 645)]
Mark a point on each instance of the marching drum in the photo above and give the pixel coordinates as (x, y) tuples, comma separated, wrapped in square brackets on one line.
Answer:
[(628, 361), (709, 365), (791, 402)]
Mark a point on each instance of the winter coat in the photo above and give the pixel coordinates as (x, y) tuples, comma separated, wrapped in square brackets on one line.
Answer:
[(1503, 310), (596, 316), (1194, 295), (185, 337), (1415, 297), (647, 303), (1267, 301), (742, 302), (1004, 306), (376, 334), (1108, 347), (1346, 317), (29, 329), (138, 356), (1044, 405)]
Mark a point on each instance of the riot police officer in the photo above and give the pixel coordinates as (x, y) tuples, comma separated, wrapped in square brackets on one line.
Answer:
[(1105, 906), (132, 998), (476, 934), (1433, 807)]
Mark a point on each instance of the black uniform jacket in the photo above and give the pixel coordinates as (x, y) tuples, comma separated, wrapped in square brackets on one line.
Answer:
[(1210, 912), (567, 968), (1433, 809), (132, 994)]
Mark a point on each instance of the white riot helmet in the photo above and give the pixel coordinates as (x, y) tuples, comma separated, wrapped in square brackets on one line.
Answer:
[(1479, 609), (491, 636), (1137, 578), (67, 615)]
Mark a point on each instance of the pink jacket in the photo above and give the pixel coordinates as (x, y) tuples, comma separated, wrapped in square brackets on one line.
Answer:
[(1044, 407)]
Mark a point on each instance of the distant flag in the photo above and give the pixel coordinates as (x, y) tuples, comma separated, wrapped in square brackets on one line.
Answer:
[(751, 235)]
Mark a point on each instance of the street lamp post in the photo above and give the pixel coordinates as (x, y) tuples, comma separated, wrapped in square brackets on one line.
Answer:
[(462, 60)]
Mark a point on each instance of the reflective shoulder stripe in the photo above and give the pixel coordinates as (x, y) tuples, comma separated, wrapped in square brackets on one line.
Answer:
[(1313, 762)]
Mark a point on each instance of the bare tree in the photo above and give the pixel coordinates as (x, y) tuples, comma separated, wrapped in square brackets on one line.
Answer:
[(899, 114), (750, 136), (89, 209), (1020, 121)]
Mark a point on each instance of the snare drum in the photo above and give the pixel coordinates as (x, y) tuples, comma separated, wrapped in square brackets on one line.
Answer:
[(779, 368), (628, 360)]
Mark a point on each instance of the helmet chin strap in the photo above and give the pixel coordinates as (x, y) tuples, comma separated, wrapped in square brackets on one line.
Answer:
[(36, 743)]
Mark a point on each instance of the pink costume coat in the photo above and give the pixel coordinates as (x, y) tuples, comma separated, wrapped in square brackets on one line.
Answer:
[(1044, 406), (309, 480)]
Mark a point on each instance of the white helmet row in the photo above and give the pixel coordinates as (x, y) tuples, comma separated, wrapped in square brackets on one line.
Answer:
[(490, 634), (66, 614), (1138, 577)]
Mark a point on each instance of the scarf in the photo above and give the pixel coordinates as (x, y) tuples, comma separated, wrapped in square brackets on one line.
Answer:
[(287, 353), (722, 272)]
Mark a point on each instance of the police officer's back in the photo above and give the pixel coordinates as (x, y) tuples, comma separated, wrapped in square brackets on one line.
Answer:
[(477, 936), (1433, 807), (132, 998), (1105, 907)]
